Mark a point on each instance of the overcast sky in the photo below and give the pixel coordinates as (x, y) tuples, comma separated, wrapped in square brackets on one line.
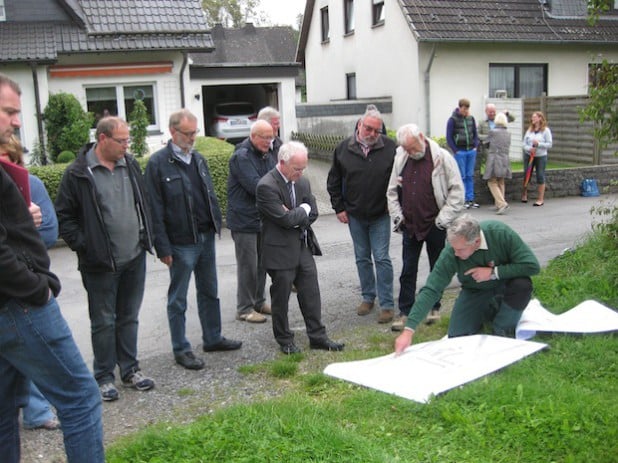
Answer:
[(283, 12)]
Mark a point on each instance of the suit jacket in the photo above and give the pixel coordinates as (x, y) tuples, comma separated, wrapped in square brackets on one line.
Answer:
[(282, 229)]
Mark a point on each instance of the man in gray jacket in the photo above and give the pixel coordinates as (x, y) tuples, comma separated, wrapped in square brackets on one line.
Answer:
[(425, 194)]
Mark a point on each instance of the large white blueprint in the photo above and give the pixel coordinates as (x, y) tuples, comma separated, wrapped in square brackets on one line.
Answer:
[(587, 317), (430, 368)]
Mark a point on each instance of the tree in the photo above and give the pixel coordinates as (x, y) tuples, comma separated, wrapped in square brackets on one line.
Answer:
[(232, 13), (66, 123), (138, 122), (603, 89)]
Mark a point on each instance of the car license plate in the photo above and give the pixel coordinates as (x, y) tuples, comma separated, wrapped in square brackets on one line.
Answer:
[(238, 122)]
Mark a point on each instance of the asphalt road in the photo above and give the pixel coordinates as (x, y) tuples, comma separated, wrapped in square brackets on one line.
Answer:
[(549, 230)]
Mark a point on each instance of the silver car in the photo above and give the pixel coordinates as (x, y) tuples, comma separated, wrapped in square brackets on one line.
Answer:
[(232, 121)]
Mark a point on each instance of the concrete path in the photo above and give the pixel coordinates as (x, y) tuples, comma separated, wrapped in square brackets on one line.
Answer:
[(548, 229)]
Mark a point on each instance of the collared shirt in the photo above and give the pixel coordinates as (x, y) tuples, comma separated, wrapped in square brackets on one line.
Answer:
[(117, 204), (418, 202), (184, 157)]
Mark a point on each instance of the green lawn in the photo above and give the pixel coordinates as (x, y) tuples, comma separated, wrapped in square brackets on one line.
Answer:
[(556, 406)]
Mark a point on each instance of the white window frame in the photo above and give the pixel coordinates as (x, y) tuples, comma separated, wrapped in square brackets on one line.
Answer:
[(2, 11), (120, 97)]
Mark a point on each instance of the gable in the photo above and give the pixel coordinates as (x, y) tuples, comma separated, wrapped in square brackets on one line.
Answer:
[(40, 30)]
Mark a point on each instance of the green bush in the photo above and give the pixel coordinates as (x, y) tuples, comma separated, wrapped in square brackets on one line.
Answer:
[(67, 124), (138, 122), (50, 175), (65, 157), (217, 153)]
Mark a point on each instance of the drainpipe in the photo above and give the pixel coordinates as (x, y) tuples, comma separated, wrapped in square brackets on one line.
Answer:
[(39, 113), (428, 91), (185, 60)]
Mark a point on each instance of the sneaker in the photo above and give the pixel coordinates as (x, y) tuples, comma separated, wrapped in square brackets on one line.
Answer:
[(138, 381), (474, 205), (109, 393), (399, 323), (386, 316), (467, 205), (364, 308)]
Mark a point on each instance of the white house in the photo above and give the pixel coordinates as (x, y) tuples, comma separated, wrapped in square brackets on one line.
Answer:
[(424, 55)]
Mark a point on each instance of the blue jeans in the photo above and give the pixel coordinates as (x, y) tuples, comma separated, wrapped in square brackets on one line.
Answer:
[(114, 300), (36, 343), (199, 259), (466, 161), (38, 410), (411, 253), (373, 237)]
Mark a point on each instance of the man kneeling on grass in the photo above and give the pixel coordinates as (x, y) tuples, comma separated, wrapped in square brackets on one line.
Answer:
[(494, 266)]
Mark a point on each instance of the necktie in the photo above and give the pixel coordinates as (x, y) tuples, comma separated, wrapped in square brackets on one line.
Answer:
[(292, 195)]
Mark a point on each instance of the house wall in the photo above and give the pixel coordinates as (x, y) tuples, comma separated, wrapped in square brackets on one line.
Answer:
[(385, 66), (166, 86)]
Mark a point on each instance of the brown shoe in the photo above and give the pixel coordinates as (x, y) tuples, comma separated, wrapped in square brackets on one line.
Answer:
[(265, 309), (364, 308), (386, 316), (251, 317)]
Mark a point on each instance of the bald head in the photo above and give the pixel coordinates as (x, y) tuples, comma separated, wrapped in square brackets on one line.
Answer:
[(261, 135)]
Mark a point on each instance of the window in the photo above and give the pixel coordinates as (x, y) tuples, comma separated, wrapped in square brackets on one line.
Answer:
[(350, 81), (519, 80), (348, 14), (324, 23), (2, 11), (377, 12), (119, 100)]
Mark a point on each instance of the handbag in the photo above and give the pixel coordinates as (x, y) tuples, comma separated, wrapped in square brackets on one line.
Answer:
[(589, 187)]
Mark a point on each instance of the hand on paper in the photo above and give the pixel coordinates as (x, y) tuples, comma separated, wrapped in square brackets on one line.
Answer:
[(35, 212), (480, 274), (403, 341)]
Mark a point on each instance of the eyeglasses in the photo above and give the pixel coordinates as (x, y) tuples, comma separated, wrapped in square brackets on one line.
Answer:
[(188, 134), (265, 138), (298, 169), (370, 129), (122, 141)]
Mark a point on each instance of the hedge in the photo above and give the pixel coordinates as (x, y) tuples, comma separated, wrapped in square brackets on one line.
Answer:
[(216, 152)]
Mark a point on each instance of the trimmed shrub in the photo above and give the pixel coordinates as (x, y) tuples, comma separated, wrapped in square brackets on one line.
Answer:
[(50, 175), (66, 123), (218, 154), (65, 157), (138, 123)]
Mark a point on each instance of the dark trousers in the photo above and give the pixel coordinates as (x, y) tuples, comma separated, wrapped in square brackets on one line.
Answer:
[(114, 300), (305, 277), (501, 306), (411, 253)]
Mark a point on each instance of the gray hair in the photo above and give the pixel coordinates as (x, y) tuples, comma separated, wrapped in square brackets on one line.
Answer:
[(6, 81), (107, 125), (268, 113), (371, 111), (290, 149), (464, 226), (408, 131), (501, 120), (177, 117)]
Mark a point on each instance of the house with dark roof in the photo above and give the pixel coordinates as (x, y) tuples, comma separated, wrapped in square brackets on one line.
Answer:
[(249, 64), (105, 53), (422, 56)]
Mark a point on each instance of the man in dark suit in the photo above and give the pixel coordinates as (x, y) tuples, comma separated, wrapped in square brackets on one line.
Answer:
[(288, 209)]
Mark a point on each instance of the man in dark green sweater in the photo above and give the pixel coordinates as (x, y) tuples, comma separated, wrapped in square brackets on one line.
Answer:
[(494, 266)]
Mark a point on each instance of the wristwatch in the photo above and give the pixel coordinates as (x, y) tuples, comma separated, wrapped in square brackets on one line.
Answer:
[(494, 274)]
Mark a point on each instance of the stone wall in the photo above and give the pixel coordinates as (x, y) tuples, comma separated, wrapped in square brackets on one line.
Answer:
[(559, 183)]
